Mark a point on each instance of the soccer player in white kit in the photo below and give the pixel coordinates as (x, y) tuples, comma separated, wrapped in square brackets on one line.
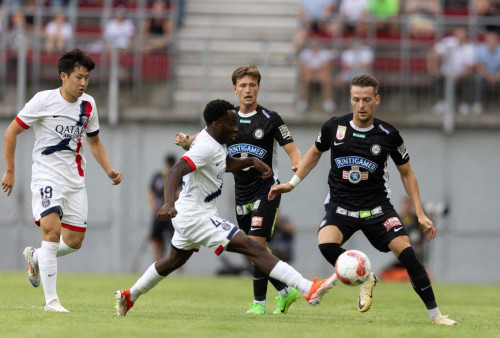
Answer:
[(195, 216), (61, 119)]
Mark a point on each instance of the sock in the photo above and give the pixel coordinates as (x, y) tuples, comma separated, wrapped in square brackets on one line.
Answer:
[(146, 282), (259, 284), (434, 312), (64, 249), (418, 277), (47, 263), (288, 275), (283, 292), (281, 287), (331, 251)]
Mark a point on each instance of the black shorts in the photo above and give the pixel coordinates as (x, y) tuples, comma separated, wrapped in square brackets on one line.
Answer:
[(161, 228), (257, 216), (380, 224)]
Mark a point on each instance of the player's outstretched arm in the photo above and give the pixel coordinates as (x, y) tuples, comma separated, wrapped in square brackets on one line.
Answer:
[(311, 158), (237, 164), (294, 154), (10, 141), (184, 140), (99, 153), (410, 184)]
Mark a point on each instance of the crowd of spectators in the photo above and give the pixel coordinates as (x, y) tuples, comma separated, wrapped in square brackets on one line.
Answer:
[(121, 30), (337, 40)]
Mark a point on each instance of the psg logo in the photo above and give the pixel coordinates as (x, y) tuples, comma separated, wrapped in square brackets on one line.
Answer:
[(85, 121), (226, 226), (45, 202)]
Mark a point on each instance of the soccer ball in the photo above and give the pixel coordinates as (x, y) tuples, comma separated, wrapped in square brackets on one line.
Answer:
[(353, 267)]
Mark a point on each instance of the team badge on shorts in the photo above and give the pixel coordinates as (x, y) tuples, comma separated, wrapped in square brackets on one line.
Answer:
[(391, 222), (226, 226), (45, 202)]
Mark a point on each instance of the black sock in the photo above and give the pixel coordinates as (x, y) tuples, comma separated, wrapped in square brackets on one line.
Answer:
[(331, 251), (278, 285), (418, 277), (259, 284)]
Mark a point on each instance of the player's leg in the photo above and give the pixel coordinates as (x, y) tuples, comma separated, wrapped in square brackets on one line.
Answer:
[(313, 291), (50, 226), (401, 247), (125, 298), (329, 239)]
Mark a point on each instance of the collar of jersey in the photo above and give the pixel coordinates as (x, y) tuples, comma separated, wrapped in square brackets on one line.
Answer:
[(240, 114), (361, 129)]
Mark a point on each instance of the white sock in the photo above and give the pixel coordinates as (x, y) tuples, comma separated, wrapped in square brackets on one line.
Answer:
[(146, 282), (284, 292), (261, 302), (47, 263), (434, 312), (64, 249), (291, 277)]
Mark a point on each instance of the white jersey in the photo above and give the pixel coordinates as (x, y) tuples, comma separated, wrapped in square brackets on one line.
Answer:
[(202, 187), (60, 128)]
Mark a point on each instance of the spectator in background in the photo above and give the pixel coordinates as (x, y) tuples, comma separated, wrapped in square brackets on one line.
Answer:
[(355, 60), (316, 66), (19, 32), (161, 228), (315, 17), (422, 16), (57, 32), (489, 10), (453, 56), (282, 243), (488, 69), (157, 29), (352, 13), (383, 11), (119, 31)]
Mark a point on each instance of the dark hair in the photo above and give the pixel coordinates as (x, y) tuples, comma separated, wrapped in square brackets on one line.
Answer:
[(73, 59), (215, 109), (170, 160), (245, 70), (366, 80)]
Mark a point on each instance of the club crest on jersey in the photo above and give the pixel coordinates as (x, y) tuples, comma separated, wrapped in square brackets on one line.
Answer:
[(375, 149), (341, 132), (258, 134), (241, 148), (354, 175), (45, 202)]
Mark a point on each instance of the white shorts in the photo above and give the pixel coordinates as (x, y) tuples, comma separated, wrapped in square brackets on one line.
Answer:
[(208, 230), (70, 203)]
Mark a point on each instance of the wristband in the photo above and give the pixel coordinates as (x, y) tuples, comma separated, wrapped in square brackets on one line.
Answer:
[(295, 180)]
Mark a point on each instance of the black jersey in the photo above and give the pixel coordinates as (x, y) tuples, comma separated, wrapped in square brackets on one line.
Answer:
[(258, 135), (358, 177)]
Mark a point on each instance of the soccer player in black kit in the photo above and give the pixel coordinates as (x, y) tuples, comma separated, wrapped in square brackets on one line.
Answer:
[(359, 195), (259, 132)]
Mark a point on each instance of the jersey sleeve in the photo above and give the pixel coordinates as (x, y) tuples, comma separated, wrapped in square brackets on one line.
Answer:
[(281, 132), (93, 126), (398, 152), (324, 137), (30, 112), (198, 155)]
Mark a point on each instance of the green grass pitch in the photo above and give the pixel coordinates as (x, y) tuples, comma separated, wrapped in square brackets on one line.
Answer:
[(189, 306)]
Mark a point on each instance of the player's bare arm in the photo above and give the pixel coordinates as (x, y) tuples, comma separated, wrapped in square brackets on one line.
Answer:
[(99, 153), (294, 154), (410, 184), (310, 160), (175, 174), (237, 164), (10, 141), (184, 140)]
